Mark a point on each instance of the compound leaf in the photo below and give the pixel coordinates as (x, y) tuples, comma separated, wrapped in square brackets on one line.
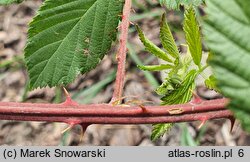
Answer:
[(69, 37), (227, 31)]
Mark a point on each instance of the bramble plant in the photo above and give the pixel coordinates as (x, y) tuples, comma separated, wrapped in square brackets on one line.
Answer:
[(70, 37), (178, 86)]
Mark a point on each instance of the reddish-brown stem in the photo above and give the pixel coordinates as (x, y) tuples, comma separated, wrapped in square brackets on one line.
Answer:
[(108, 114), (121, 56)]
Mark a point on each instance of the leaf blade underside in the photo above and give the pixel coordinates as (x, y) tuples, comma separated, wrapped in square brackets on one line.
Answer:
[(227, 31)]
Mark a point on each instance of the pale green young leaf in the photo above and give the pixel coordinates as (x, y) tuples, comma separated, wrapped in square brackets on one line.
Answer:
[(151, 47), (167, 38), (159, 130), (177, 95), (193, 36), (169, 85), (227, 30), (211, 83), (7, 2), (165, 88), (155, 67), (175, 4), (69, 37), (183, 93)]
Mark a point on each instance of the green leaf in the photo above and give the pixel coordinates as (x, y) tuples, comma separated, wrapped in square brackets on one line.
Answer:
[(175, 4), (169, 85), (155, 67), (177, 95), (69, 37), (211, 83), (159, 130), (193, 37), (167, 38), (183, 93), (151, 47), (7, 2), (227, 30)]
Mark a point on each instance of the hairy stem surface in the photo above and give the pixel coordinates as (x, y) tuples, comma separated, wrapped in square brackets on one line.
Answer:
[(121, 56), (108, 114)]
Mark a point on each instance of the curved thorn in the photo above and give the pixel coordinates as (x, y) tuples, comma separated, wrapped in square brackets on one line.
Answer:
[(144, 109), (83, 130), (232, 120)]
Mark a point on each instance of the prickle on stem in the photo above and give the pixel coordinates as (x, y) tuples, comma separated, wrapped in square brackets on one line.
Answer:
[(68, 101), (83, 130), (232, 120), (68, 128), (203, 122), (196, 99)]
